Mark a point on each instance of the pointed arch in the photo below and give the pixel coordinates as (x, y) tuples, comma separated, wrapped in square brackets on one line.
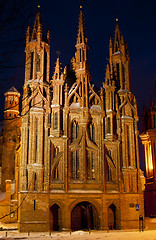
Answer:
[(91, 165), (74, 130), (91, 131), (75, 165), (112, 217), (55, 217)]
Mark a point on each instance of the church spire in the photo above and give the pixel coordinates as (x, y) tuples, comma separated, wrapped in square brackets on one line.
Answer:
[(57, 72), (117, 37), (37, 32), (81, 55), (119, 61), (81, 37)]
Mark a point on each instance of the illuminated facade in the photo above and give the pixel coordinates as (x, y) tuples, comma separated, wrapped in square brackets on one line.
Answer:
[(78, 163), (11, 133), (148, 138)]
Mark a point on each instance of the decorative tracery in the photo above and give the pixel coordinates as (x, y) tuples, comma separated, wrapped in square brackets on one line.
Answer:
[(74, 130), (75, 165), (91, 130), (91, 171)]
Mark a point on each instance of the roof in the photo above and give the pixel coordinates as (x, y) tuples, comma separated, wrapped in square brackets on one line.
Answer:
[(12, 89)]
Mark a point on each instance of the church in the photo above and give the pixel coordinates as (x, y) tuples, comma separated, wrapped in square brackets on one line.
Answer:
[(77, 164)]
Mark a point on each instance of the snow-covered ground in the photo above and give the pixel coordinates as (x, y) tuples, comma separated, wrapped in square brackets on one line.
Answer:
[(81, 235)]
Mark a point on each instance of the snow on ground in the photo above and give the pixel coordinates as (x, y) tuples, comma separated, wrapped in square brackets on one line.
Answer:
[(82, 235)]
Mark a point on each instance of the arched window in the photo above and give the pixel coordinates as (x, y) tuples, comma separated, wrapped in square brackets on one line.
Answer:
[(118, 73), (75, 165), (38, 63), (45, 67), (36, 138), (31, 65), (55, 120), (56, 172), (128, 146), (74, 130), (108, 125), (56, 151), (26, 179), (90, 165), (35, 182), (91, 129), (109, 174)]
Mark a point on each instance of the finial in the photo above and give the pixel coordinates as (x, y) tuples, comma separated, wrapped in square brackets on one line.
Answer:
[(117, 19), (80, 6), (38, 6)]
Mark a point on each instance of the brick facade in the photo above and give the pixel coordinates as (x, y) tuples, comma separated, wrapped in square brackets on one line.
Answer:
[(78, 162)]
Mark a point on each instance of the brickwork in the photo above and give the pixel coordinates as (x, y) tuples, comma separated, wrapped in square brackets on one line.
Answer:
[(11, 134), (78, 155), (148, 138)]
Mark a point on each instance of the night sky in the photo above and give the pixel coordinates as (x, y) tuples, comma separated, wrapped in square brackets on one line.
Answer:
[(137, 21)]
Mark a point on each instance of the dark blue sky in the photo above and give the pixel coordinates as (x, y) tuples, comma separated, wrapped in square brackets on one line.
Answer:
[(137, 20)]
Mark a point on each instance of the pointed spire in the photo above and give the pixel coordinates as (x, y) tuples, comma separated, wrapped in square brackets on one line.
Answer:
[(28, 34), (81, 38), (117, 37), (48, 37), (110, 47), (58, 68), (37, 29)]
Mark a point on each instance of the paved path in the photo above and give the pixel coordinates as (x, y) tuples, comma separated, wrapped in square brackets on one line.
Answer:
[(80, 235)]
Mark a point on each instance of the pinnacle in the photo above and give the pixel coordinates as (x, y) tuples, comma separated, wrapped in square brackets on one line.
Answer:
[(57, 72), (37, 24), (81, 29)]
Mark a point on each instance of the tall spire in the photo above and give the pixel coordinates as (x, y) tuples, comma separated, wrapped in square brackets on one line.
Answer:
[(57, 72), (37, 29), (81, 55), (81, 37), (117, 37)]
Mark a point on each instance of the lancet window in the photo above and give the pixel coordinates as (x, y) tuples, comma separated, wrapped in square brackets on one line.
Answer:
[(74, 130), (90, 165), (56, 172), (55, 120), (128, 147), (108, 125), (75, 165), (36, 134), (45, 66), (91, 129), (26, 179), (31, 65), (38, 63), (109, 174), (35, 181)]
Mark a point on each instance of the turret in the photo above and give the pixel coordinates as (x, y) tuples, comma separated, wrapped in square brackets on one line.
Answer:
[(109, 86), (119, 60), (11, 134), (35, 108), (11, 103), (37, 52), (57, 83), (81, 55)]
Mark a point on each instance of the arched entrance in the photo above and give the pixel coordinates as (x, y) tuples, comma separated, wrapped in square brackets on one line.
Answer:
[(55, 218), (112, 217), (84, 216)]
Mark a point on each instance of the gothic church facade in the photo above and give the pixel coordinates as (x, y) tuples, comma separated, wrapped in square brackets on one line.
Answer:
[(79, 160)]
